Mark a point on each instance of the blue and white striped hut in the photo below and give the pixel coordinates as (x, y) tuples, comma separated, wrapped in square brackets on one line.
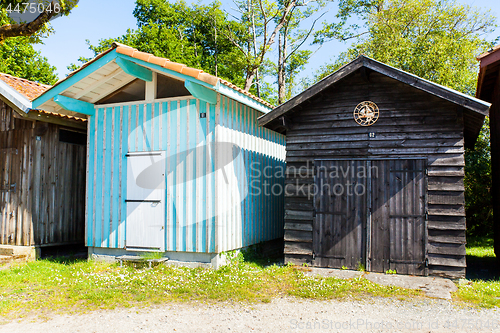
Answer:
[(176, 158)]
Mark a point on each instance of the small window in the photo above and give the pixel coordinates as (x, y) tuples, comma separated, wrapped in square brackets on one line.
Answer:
[(134, 91), (75, 138), (169, 87)]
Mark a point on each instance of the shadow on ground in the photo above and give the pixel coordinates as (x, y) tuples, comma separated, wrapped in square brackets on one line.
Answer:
[(482, 268), (64, 253)]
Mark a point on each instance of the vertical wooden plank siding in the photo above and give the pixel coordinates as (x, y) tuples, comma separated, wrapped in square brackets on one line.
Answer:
[(248, 211), (174, 126), (245, 215), (91, 160), (41, 192)]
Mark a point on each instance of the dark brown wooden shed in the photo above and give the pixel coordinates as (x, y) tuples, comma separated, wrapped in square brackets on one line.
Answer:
[(42, 175), (375, 167)]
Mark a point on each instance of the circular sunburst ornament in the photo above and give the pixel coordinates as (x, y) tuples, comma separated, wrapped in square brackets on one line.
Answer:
[(366, 113)]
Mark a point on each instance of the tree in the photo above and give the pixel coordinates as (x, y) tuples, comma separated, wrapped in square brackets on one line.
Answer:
[(291, 58), (478, 207), (19, 58), (39, 25), (264, 21), (436, 40), (259, 16), (193, 35)]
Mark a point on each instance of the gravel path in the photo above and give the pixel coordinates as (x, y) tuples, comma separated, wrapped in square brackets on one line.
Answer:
[(281, 315)]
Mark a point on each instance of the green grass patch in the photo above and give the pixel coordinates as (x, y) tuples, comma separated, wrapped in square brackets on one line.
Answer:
[(480, 248), (480, 252), (50, 286), (483, 288), (482, 293)]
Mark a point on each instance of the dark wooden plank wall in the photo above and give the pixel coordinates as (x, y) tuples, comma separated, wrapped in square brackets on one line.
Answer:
[(412, 123), (338, 228), (42, 198), (403, 183)]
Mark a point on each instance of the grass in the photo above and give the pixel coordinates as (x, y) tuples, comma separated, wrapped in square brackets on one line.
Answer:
[(482, 293), (46, 286), (483, 286), (480, 248), (75, 286)]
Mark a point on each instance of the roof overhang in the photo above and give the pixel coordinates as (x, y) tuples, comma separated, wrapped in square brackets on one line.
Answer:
[(468, 102), (489, 71), (111, 70), (14, 99)]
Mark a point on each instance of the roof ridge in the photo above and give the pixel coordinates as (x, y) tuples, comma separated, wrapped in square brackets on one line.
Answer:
[(182, 69), (400, 75)]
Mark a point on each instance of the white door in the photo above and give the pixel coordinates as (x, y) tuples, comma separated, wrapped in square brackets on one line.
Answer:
[(145, 226)]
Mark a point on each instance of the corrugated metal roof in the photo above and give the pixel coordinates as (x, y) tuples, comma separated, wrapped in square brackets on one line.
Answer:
[(27, 88)]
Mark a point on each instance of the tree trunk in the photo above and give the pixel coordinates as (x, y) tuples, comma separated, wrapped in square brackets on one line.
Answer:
[(281, 68), (27, 29), (267, 44), (249, 79)]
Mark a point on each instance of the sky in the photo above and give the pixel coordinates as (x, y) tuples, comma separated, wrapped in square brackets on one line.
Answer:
[(97, 19)]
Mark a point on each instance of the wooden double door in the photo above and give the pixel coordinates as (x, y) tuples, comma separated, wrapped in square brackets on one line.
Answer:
[(371, 214)]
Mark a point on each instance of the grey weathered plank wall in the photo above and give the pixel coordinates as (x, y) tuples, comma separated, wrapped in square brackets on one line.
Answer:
[(411, 124), (42, 194)]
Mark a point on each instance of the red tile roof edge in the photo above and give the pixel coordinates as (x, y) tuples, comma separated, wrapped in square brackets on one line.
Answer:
[(167, 64)]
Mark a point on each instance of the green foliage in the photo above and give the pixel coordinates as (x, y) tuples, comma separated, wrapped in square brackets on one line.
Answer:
[(193, 35), (390, 271), (436, 40), (19, 58), (477, 184), (294, 65), (42, 28)]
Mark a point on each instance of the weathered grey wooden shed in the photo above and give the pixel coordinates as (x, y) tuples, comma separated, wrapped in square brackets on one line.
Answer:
[(375, 168), (42, 175)]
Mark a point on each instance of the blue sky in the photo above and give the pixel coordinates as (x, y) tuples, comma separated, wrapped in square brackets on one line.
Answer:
[(96, 19)]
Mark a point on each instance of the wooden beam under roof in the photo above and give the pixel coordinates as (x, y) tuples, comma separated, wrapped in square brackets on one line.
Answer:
[(105, 79), (135, 70), (75, 105)]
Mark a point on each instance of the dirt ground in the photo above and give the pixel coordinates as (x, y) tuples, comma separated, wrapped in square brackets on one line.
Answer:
[(281, 315)]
